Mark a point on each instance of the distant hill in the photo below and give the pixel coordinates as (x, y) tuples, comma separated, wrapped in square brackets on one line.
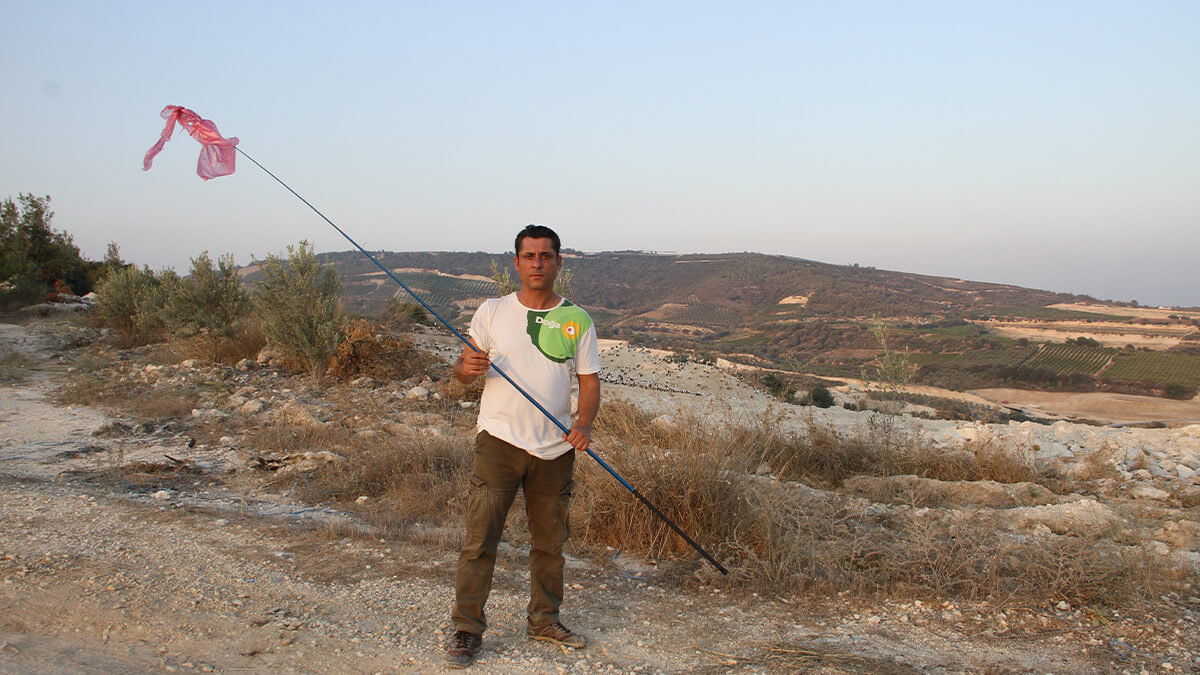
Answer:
[(802, 314), (721, 289)]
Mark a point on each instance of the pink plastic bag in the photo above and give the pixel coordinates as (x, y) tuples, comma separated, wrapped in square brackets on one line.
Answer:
[(217, 154)]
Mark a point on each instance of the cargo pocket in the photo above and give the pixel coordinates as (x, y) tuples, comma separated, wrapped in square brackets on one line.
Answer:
[(477, 511)]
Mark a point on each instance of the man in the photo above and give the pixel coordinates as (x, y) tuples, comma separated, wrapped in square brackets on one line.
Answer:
[(539, 339)]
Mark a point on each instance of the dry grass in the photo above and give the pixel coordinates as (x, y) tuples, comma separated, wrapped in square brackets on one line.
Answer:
[(243, 341), (411, 478), (828, 457), (100, 387), (782, 537)]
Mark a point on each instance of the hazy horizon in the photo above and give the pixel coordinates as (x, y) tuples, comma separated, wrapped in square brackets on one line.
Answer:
[(1044, 145)]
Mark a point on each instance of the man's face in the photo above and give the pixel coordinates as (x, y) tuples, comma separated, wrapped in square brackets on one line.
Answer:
[(537, 263)]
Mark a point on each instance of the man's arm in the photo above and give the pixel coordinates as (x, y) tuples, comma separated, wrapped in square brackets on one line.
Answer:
[(470, 365), (589, 404)]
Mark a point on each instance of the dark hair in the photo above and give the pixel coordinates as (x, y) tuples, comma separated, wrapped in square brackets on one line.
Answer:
[(537, 232)]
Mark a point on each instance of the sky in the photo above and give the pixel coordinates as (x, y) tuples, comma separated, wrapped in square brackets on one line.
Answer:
[(1053, 145)]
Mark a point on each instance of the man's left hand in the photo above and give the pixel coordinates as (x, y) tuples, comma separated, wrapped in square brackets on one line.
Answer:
[(580, 437)]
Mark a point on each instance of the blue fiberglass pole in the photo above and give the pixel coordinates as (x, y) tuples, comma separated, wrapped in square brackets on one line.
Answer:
[(503, 374)]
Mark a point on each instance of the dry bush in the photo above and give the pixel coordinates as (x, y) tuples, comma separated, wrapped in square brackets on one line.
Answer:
[(691, 470), (243, 341), (370, 350), (1101, 464)]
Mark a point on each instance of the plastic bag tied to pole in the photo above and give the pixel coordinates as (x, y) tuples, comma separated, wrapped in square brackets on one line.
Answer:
[(217, 153)]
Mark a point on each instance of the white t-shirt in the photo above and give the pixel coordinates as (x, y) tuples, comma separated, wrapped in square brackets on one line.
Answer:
[(541, 350)]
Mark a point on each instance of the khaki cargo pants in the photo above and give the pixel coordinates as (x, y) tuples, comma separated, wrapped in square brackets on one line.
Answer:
[(499, 470)]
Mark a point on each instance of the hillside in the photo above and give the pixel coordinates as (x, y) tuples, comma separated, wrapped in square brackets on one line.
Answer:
[(818, 318), (185, 516)]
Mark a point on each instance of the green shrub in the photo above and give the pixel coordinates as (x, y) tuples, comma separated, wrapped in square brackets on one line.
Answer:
[(1177, 391), (821, 397), (132, 304), (209, 301), (297, 302), (33, 256)]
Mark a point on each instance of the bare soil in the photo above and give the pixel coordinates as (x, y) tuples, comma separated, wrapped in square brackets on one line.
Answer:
[(1099, 406), (105, 570)]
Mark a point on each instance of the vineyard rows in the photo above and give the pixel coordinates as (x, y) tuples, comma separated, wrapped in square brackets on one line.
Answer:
[(1003, 358), (706, 315), (1071, 358), (1155, 367)]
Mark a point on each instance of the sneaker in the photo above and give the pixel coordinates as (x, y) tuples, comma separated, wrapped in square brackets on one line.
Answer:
[(559, 635), (463, 649)]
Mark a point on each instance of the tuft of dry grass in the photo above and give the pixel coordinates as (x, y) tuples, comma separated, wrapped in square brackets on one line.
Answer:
[(15, 367)]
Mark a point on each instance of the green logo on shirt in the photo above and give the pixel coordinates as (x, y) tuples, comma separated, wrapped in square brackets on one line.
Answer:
[(556, 332)]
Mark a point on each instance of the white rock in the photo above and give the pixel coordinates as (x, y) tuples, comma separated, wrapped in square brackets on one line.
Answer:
[(311, 461), (364, 381), (417, 393), (237, 401), (1184, 471), (1053, 449), (252, 406), (293, 413), (1063, 606), (1133, 456), (1143, 491), (227, 441), (190, 363), (466, 405), (161, 495), (362, 499), (246, 365), (1085, 516)]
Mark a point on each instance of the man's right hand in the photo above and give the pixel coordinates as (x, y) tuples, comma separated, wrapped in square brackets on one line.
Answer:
[(470, 365)]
